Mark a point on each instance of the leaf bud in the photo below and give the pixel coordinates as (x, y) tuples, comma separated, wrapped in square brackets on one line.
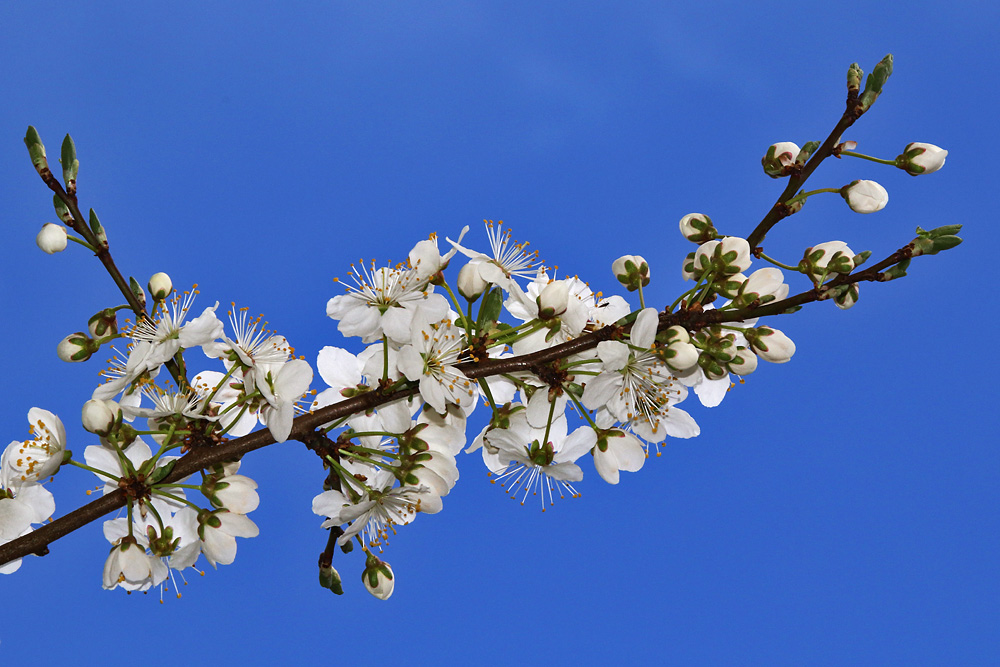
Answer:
[(632, 271), (76, 347), (330, 578), (780, 158), (877, 79), (854, 75), (36, 149), (160, 286), (52, 238), (62, 210), (70, 165), (698, 228), (471, 285), (865, 196)]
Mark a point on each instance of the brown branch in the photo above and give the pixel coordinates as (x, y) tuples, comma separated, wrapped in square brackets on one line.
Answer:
[(37, 541)]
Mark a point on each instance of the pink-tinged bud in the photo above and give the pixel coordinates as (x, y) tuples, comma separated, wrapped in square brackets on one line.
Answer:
[(76, 347), (698, 228), (919, 158), (779, 159), (99, 416), (104, 323), (632, 271), (865, 196), (744, 362), (160, 286), (771, 345), (553, 300), (52, 238), (470, 284)]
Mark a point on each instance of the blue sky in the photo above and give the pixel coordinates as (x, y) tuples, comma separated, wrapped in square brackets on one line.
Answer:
[(839, 508)]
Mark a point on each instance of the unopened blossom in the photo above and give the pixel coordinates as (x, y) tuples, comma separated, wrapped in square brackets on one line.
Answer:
[(236, 493), (431, 359), (76, 347), (920, 158), (523, 304), (744, 362), (35, 459), (160, 286), (779, 158), (823, 259), (378, 578), (553, 300), (771, 345), (865, 196), (52, 238), (99, 416), (728, 256), (698, 228), (632, 271), (471, 285)]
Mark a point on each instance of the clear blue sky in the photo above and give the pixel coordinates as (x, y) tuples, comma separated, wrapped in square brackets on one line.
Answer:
[(842, 508)]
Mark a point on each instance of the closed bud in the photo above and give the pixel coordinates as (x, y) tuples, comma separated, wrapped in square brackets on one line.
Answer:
[(104, 323), (553, 300), (470, 284), (632, 271), (70, 164), (160, 286), (698, 228), (52, 238), (76, 347), (727, 257), (744, 362), (99, 416), (674, 334), (865, 196), (680, 355), (919, 158), (330, 578), (36, 150), (825, 258), (763, 286), (771, 344), (779, 159), (378, 578)]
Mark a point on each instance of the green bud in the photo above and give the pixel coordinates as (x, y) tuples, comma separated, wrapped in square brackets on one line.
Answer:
[(877, 79), (137, 291), (330, 578), (70, 165), (36, 149), (854, 75), (807, 150), (862, 257), (895, 271), (98, 229), (945, 230), (62, 210)]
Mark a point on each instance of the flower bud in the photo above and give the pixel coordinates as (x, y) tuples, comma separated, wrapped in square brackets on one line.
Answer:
[(330, 578), (919, 158), (104, 323), (698, 228), (160, 286), (766, 285), (378, 578), (674, 334), (680, 356), (632, 271), (99, 416), (553, 300), (771, 344), (76, 347), (52, 238), (728, 257), (865, 196), (779, 158), (744, 363), (470, 284), (825, 258)]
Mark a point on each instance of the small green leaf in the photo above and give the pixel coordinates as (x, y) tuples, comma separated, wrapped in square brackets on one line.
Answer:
[(489, 311)]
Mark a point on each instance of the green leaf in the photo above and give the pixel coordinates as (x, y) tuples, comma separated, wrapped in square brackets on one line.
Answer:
[(489, 311)]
